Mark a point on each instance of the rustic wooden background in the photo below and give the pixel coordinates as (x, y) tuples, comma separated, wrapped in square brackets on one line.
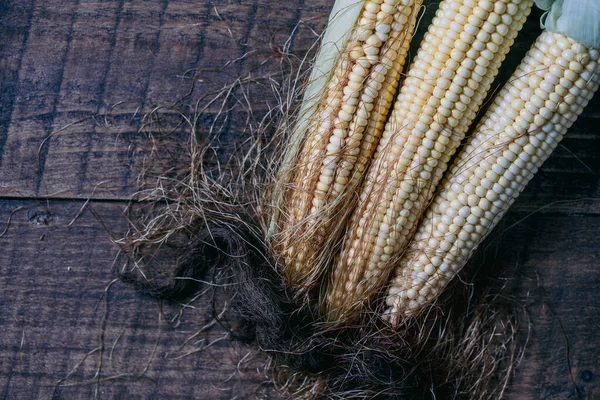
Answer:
[(77, 78)]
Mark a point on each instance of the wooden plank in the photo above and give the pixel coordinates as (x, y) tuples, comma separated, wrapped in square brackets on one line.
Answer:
[(125, 58), (36, 95), (57, 308), (15, 21), (79, 107), (118, 60), (557, 278)]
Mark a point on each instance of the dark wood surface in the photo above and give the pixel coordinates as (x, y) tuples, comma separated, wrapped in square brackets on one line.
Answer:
[(77, 80)]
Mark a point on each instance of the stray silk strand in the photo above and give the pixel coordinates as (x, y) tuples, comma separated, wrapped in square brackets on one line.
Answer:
[(436, 355), (213, 215)]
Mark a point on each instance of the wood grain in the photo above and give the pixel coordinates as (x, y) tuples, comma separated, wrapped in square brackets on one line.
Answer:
[(67, 332), (78, 79), (81, 76)]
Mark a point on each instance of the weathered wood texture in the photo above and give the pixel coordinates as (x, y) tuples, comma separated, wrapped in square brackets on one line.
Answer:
[(77, 79), (68, 333)]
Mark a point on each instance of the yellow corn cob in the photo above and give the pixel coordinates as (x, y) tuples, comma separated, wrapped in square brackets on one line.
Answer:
[(340, 139), (527, 119), (446, 84)]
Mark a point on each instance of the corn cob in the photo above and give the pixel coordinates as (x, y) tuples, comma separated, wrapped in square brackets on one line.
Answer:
[(526, 121), (446, 84), (339, 139)]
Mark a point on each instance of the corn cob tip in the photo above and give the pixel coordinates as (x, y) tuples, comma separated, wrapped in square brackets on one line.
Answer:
[(336, 143), (525, 123)]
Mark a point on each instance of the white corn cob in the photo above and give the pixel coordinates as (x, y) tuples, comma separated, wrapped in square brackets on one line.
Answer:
[(527, 119), (446, 84), (338, 140)]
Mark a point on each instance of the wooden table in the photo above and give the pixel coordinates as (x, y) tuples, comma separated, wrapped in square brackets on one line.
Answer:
[(77, 79)]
